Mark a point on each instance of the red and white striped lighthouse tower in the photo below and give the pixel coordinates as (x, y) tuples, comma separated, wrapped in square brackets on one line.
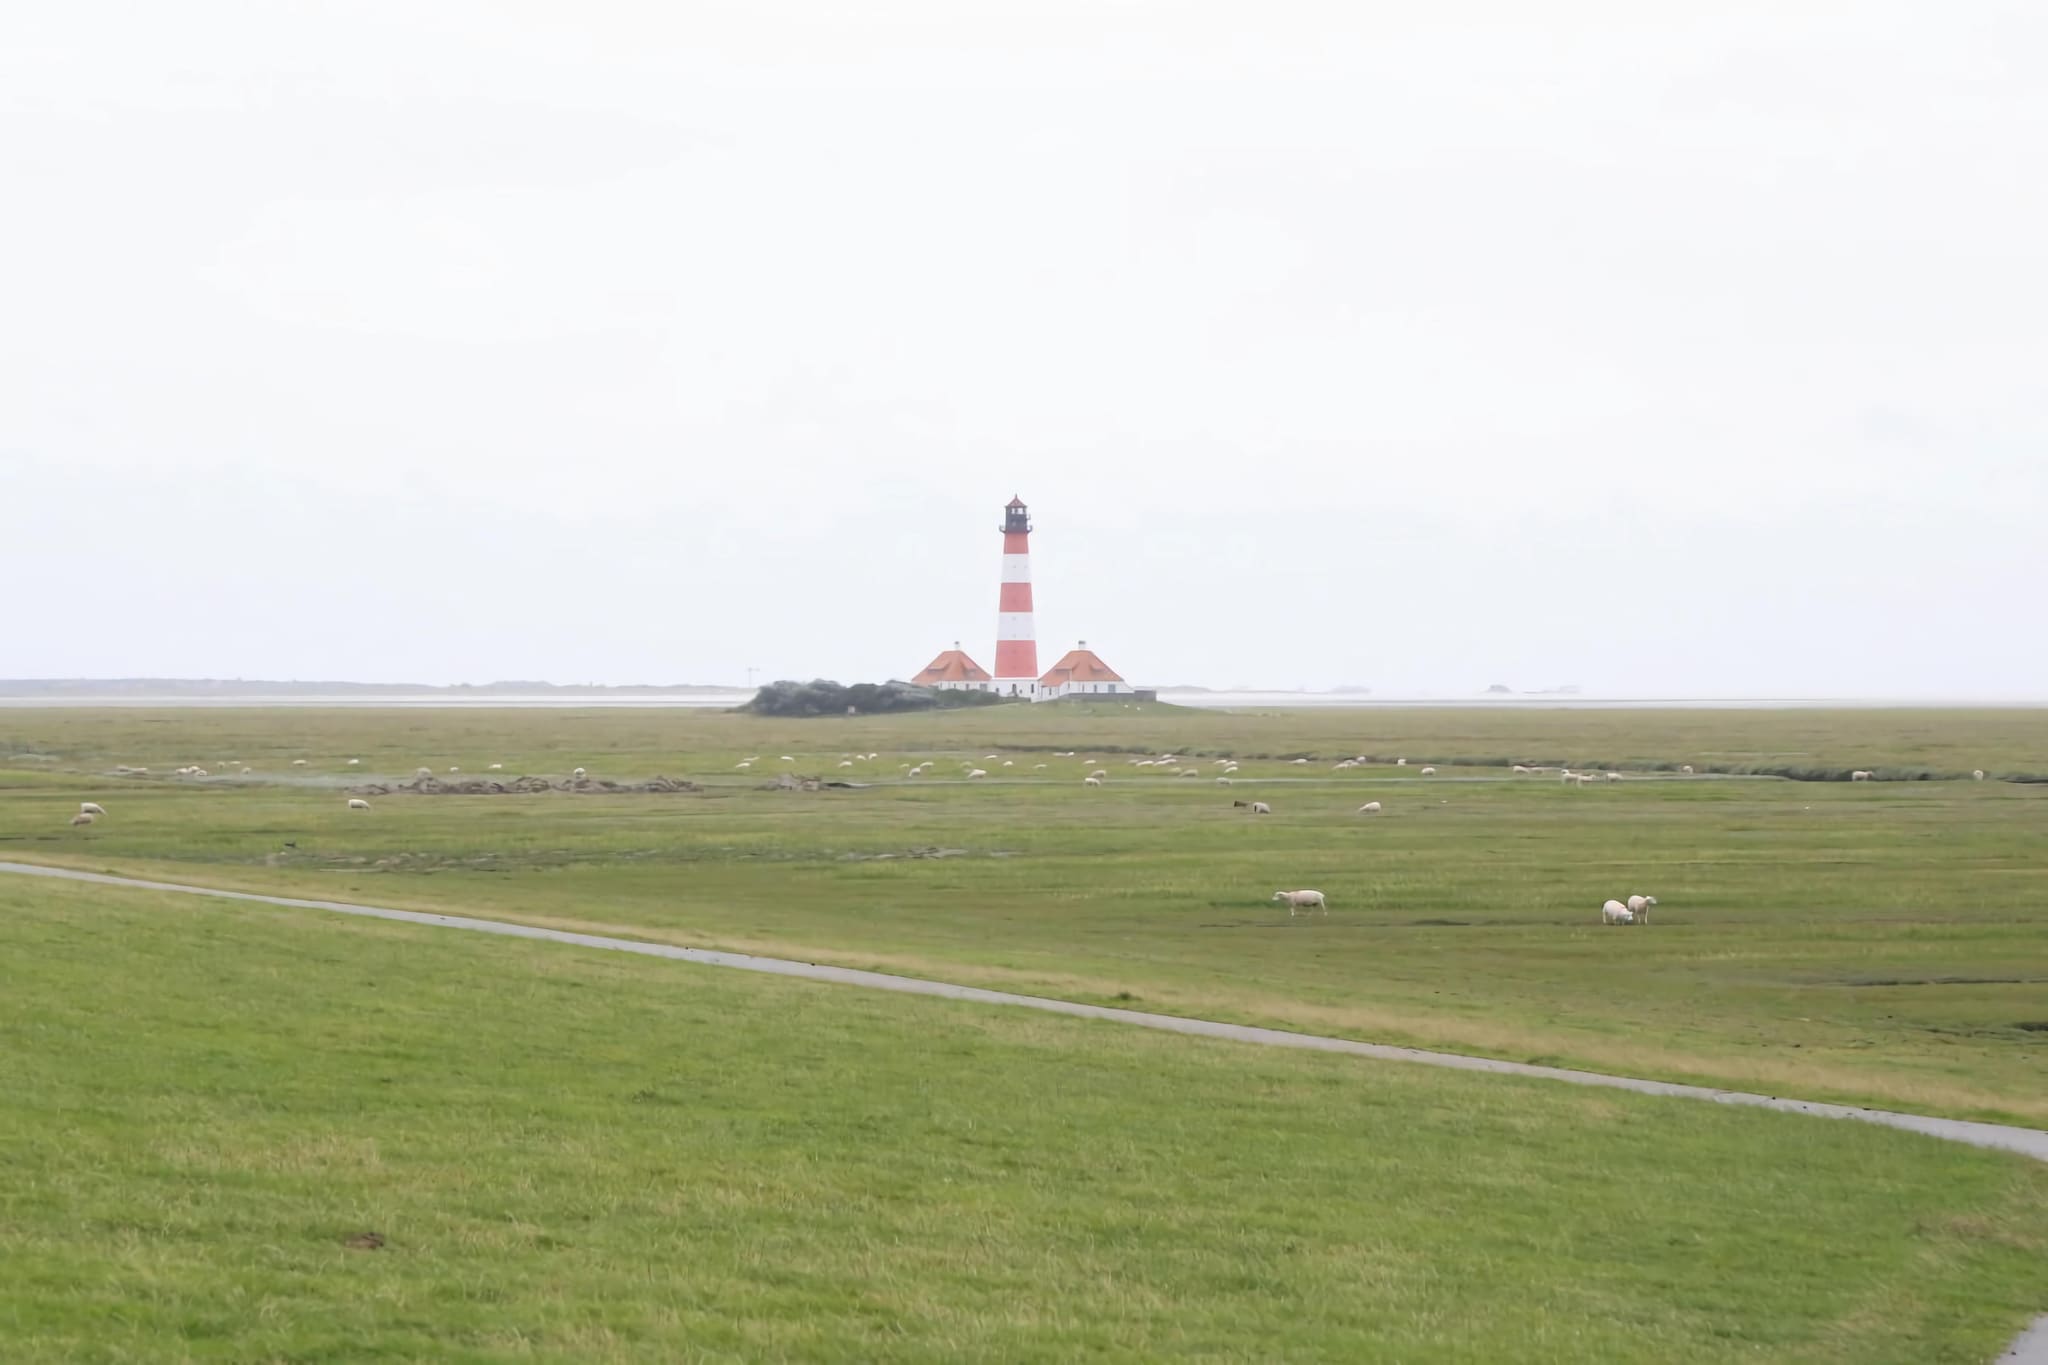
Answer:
[(1016, 670)]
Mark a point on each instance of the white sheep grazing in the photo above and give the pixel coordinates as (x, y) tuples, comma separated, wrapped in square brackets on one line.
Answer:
[(422, 772), (298, 763), (354, 762), (1369, 808), (744, 763), (987, 757), (1859, 776), (578, 773), (1261, 808), (1977, 775), (1583, 779), (83, 819), (1102, 773), (357, 803), (1639, 907), (1614, 912), (455, 770), (978, 772), (915, 772), (1400, 762), (785, 759), (1520, 769), (1038, 767), (1299, 901), (846, 763), (1223, 781), (1007, 763), (1299, 761), (91, 808), (1612, 777), (495, 768), (1091, 781), (1429, 772)]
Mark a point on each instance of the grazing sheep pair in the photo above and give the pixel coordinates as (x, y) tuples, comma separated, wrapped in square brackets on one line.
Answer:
[(1636, 910)]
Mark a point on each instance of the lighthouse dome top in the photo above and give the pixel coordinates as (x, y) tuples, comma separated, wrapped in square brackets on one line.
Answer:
[(1014, 502)]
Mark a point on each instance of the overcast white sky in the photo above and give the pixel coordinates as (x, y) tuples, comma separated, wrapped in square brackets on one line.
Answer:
[(1682, 349)]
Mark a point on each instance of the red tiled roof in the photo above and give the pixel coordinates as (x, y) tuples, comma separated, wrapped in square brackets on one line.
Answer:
[(951, 666), (1015, 502), (1079, 666)]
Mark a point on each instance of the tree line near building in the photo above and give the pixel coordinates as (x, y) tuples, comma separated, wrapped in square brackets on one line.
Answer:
[(822, 697)]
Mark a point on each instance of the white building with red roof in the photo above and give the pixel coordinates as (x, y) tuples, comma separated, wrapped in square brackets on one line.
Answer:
[(1082, 674), (954, 671)]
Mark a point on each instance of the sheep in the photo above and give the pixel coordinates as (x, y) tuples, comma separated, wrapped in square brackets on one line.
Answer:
[(1686, 769), (1639, 907), (246, 770), (978, 772), (199, 772), (1429, 772), (1299, 762), (1612, 777), (1223, 781), (1261, 808), (298, 763), (454, 770), (1860, 775), (1583, 779), (1977, 775), (1007, 763), (1369, 808), (1102, 773), (422, 772), (915, 772), (785, 759), (1038, 767), (82, 818), (495, 768), (355, 762), (357, 803), (1400, 762), (91, 808), (1614, 912), (744, 763), (846, 763), (1299, 901), (1520, 769), (1091, 781), (987, 757)]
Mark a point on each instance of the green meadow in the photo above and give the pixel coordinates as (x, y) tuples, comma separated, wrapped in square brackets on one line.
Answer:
[(244, 1133), (1876, 942)]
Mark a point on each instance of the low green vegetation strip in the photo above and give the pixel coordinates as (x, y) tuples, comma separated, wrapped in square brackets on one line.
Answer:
[(237, 1133)]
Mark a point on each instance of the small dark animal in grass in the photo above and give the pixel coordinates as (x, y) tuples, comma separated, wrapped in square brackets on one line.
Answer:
[(291, 843), (1239, 805), (365, 1241)]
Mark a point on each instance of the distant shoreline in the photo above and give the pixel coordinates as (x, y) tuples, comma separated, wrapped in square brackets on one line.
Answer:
[(14, 696)]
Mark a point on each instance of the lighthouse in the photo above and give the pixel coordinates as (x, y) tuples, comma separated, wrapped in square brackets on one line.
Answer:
[(1016, 671)]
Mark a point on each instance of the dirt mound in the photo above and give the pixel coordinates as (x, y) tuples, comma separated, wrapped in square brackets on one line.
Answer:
[(485, 786)]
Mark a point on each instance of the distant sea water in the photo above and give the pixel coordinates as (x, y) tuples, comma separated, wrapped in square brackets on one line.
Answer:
[(1251, 701)]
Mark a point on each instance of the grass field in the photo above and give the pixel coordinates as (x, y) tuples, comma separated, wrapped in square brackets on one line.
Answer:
[(576, 1156), (1881, 943)]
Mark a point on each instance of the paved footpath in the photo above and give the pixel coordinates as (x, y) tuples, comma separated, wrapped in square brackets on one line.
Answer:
[(2030, 1349)]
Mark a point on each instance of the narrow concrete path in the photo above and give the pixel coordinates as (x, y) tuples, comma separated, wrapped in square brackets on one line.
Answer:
[(2031, 1348)]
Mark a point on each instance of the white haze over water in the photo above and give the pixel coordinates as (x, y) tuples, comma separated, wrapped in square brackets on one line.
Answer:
[(1681, 350)]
